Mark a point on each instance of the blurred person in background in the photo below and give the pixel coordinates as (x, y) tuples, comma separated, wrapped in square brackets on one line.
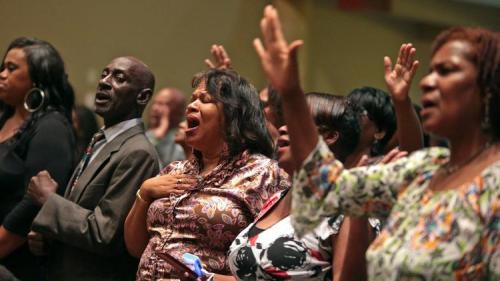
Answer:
[(165, 114), (85, 125)]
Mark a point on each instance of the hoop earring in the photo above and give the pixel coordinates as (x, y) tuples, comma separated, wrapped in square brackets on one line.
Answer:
[(485, 123), (378, 136), (34, 100)]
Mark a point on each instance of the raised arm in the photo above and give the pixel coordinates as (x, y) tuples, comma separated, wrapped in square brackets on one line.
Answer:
[(398, 80), (324, 188), (279, 62), (220, 57)]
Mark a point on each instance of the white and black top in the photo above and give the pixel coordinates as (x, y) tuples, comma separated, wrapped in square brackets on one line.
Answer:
[(277, 253)]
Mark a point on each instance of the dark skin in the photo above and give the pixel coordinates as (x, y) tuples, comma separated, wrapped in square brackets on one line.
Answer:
[(279, 62), (15, 81), (122, 87), (122, 94)]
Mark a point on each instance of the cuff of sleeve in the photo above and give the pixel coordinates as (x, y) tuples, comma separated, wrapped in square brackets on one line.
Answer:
[(19, 220), (310, 188), (44, 220)]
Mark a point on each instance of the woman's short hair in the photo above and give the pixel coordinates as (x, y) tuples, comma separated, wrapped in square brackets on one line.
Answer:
[(47, 72), (274, 102), (485, 56), (380, 110), (333, 113), (245, 124)]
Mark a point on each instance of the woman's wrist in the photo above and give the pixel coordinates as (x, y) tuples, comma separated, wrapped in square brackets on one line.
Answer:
[(142, 197), (210, 277), (402, 101)]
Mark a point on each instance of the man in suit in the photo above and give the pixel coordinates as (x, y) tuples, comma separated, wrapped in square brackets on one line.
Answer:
[(86, 225)]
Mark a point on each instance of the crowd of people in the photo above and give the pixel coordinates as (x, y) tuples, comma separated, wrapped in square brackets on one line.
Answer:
[(274, 184)]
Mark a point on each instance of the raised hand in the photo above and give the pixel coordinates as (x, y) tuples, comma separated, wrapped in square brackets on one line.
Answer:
[(399, 79), (278, 58), (220, 57)]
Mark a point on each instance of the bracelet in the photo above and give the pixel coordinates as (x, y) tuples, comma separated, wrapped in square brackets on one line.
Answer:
[(138, 195), (211, 277)]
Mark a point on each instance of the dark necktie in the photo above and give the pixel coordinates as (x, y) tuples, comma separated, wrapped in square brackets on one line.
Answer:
[(86, 157)]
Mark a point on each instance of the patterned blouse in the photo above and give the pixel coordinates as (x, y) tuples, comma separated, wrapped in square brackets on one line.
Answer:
[(206, 219), (429, 235), (277, 253)]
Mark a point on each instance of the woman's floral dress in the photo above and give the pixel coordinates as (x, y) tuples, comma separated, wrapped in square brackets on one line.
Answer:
[(429, 235)]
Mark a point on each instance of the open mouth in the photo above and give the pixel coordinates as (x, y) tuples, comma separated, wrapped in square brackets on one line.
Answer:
[(101, 98), (283, 142), (428, 104), (192, 124), (283, 147)]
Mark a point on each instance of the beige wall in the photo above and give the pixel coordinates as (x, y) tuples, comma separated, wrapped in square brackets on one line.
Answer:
[(342, 49), (172, 37)]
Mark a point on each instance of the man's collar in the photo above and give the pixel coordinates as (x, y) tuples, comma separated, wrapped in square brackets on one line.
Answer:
[(113, 131)]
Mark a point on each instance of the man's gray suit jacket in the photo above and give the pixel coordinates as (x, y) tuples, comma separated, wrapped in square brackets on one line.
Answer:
[(86, 225)]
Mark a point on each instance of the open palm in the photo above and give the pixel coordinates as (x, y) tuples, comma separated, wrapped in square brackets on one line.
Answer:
[(220, 57), (399, 79), (278, 58)]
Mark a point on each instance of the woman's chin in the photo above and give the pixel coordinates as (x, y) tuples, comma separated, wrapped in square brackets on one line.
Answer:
[(198, 144), (429, 126), (192, 143)]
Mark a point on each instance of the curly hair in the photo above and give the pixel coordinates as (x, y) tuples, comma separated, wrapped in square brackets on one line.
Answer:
[(244, 119)]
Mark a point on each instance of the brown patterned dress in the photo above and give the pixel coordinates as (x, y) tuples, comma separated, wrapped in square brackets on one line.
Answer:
[(206, 219)]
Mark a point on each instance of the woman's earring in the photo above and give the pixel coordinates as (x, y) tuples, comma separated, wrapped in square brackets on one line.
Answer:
[(485, 123), (34, 100), (376, 147), (378, 136), (225, 150)]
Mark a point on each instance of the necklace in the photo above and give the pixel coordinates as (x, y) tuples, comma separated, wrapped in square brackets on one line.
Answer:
[(451, 168)]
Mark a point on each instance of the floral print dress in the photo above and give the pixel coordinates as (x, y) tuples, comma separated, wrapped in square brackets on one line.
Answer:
[(206, 219), (429, 235)]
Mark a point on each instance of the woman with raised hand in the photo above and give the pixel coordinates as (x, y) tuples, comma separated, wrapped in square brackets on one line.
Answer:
[(35, 135), (199, 205), (442, 206), (388, 120), (269, 248), (398, 79)]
